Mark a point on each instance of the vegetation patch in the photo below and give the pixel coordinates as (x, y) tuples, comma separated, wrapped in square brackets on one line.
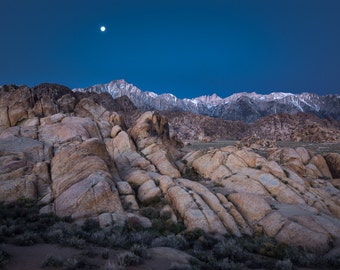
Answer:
[(21, 224)]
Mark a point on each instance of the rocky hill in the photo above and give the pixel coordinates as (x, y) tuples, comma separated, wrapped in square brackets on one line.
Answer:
[(246, 107), (294, 127), (75, 155), (189, 126)]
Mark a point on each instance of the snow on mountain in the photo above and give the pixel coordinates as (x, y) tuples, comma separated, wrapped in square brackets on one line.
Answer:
[(242, 106)]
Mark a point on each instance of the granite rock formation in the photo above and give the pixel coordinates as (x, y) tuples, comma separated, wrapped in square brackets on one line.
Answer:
[(76, 155)]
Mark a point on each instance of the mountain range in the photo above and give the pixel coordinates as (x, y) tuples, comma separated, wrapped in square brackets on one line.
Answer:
[(246, 107)]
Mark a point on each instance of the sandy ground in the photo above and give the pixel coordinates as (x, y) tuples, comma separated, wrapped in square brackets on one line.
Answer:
[(32, 257)]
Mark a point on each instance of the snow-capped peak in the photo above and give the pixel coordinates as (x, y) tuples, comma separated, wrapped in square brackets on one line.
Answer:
[(245, 106)]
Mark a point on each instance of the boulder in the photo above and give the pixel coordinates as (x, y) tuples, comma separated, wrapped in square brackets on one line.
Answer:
[(150, 128), (16, 177), (115, 130), (242, 225), (17, 113), (70, 129), (165, 182), (34, 150), (148, 192), (272, 224), (48, 106), (130, 202), (252, 207), (304, 154), (142, 221), (157, 154), (137, 177), (4, 120), (77, 162), (43, 179), (294, 234), (192, 156), (66, 103), (86, 107), (52, 119), (243, 184), (297, 166), (333, 162), (214, 204), (248, 156), (89, 197), (278, 190), (270, 167), (208, 163), (183, 203), (123, 143), (234, 163), (221, 173), (322, 166), (124, 188)]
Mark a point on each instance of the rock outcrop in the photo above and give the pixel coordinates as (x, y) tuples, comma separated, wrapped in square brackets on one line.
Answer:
[(77, 156)]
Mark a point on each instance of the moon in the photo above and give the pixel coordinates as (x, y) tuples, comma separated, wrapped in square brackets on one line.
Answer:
[(102, 28)]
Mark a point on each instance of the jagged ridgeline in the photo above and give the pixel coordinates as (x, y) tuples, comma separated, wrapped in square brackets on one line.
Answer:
[(245, 107), (277, 116), (77, 155)]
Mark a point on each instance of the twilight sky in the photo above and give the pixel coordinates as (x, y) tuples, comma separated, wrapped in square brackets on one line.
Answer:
[(184, 47)]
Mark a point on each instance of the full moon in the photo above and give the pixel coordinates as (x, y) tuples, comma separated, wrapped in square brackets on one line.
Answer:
[(102, 28)]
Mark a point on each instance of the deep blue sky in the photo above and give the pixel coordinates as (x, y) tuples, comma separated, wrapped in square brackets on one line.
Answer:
[(186, 47)]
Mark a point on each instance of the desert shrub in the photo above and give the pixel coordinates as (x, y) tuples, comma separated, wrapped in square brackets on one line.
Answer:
[(118, 240), (75, 242), (208, 241), (133, 224), (149, 212), (229, 248), (202, 255), (105, 255), (179, 266), (60, 232), (12, 230), (27, 239), (52, 261), (165, 215), (228, 264), (117, 264), (254, 244), (4, 258), (194, 234), (139, 250), (303, 258), (98, 238), (173, 241), (79, 263), (284, 265), (131, 259), (269, 247), (143, 237), (166, 227), (190, 173), (91, 226), (332, 261), (225, 264)]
